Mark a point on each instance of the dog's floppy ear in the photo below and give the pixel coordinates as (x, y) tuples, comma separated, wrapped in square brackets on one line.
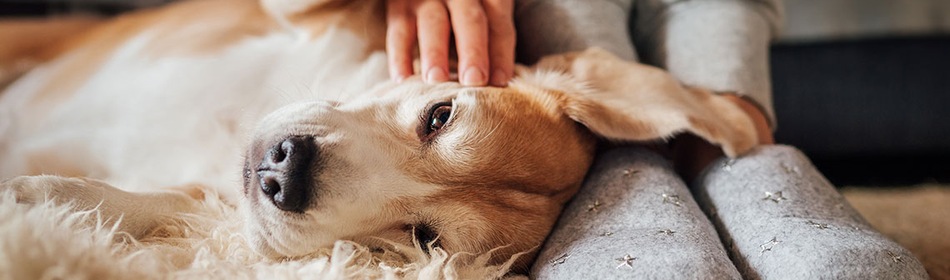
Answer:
[(628, 101)]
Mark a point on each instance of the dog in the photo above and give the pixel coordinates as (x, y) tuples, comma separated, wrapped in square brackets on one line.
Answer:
[(284, 109)]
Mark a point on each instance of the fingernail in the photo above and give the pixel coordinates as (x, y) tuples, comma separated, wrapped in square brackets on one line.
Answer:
[(473, 77), (436, 74), (499, 79)]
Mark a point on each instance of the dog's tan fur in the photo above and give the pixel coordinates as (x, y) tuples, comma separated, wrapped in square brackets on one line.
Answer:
[(496, 177)]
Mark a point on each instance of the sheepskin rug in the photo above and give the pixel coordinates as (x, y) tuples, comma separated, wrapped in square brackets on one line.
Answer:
[(51, 242)]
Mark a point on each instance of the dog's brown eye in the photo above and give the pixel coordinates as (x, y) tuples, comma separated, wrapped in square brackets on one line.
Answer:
[(438, 117)]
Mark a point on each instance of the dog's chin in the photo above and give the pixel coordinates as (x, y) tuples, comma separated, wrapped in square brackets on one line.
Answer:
[(274, 245), (281, 242), (259, 244), (271, 235)]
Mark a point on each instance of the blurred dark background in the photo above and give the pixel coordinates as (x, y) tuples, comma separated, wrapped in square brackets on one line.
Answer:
[(872, 111), (862, 86)]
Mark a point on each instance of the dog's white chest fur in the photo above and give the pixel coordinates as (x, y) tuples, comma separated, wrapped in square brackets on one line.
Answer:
[(166, 102)]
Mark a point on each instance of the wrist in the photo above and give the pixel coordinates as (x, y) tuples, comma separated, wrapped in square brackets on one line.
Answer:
[(756, 115)]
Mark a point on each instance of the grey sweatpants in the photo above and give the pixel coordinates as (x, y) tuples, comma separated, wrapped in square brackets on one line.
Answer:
[(767, 214), (771, 215)]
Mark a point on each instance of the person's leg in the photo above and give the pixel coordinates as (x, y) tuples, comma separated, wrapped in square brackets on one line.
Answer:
[(633, 218), (780, 218)]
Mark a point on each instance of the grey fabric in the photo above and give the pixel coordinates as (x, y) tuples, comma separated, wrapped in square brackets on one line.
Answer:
[(633, 219), (780, 219), (548, 27), (720, 45), (716, 44)]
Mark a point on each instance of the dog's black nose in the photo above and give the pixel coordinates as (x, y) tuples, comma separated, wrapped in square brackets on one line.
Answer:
[(285, 172)]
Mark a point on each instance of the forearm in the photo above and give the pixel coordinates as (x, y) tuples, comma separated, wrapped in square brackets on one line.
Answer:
[(721, 45), (555, 26)]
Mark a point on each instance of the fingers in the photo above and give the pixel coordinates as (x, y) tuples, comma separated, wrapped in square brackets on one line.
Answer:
[(470, 25), (400, 38), (501, 40), (484, 32), (433, 27)]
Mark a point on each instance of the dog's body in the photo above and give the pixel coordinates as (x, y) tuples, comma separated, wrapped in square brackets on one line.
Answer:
[(161, 105), (182, 96)]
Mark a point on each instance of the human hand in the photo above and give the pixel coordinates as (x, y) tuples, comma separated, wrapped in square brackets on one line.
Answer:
[(484, 39)]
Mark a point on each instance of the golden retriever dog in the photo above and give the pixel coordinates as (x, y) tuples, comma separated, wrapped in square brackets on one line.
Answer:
[(285, 110)]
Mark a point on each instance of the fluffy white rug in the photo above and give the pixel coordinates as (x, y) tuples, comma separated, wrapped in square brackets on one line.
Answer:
[(50, 242)]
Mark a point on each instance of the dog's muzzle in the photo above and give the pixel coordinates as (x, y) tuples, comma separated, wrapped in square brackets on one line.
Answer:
[(285, 173)]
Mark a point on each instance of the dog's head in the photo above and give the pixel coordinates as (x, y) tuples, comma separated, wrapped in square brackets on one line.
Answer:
[(465, 169)]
